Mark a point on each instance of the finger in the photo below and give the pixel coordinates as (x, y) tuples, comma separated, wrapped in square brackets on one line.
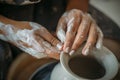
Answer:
[(47, 36), (74, 18), (82, 32), (91, 39), (49, 50), (43, 32), (99, 39), (53, 53), (61, 27)]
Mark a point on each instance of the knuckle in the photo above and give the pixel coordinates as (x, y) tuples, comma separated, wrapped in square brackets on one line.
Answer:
[(82, 36), (76, 11), (42, 28), (91, 18), (90, 44), (54, 41)]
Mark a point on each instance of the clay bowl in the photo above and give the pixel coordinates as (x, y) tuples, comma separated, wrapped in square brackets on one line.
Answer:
[(114, 46)]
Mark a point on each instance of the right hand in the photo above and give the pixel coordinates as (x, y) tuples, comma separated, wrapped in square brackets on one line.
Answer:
[(31, 38), (75, 28)]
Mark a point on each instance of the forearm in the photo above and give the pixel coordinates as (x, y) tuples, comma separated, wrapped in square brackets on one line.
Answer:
[(5, 20), (8, 26), (17, 24), (21, 38), (78, 4)]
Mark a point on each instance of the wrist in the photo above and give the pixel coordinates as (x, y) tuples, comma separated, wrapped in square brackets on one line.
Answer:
[(77, 4), (17, 24), (6, 20)]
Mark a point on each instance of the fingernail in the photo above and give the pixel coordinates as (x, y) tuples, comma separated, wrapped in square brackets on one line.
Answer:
[(99, 45), (67, 50), (71, 52), (59, 46), (86, 51)]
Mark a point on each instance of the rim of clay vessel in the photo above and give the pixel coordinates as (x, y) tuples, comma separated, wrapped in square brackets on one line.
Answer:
[(104, 56)]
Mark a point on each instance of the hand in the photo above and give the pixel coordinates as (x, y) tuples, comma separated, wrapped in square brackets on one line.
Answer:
[(74, 27), (31, 38)]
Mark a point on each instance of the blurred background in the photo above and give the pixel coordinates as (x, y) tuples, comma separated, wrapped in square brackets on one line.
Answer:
[(109, 7)]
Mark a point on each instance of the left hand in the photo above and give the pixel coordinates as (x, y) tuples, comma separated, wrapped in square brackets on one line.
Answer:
[(30, 37), (74, 27)]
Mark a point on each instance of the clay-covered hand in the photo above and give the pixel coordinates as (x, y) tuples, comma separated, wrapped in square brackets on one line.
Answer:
[(75, 27), (31, 38)]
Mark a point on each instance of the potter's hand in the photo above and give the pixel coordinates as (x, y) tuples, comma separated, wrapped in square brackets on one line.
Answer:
[(31, 38), (74, 27)]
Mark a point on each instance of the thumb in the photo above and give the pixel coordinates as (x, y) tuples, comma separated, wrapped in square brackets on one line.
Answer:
[(53, 53)]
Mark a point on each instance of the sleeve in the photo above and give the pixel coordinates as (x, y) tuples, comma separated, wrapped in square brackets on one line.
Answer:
[(19, 2)]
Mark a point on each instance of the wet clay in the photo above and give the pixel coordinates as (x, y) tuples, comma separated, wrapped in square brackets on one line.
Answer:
[(86, 67)]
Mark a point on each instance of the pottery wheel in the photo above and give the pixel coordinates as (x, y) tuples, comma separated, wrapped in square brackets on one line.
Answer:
[(25, 65)]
